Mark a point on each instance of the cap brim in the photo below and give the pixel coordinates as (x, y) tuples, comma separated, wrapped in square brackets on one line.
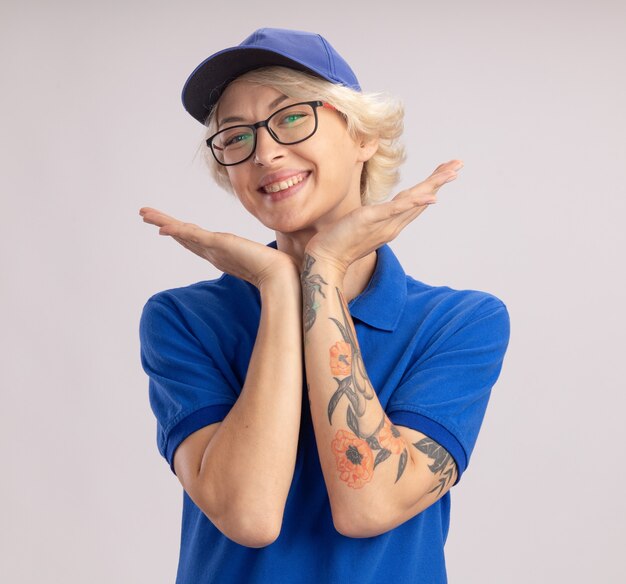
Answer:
[(205, 85)]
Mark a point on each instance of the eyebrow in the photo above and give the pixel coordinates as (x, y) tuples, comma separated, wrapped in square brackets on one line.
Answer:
[(271, 106)]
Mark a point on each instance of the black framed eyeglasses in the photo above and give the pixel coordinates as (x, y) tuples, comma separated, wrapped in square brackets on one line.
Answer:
[(289, 125)]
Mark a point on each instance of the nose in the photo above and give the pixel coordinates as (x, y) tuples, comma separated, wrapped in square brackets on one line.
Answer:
[(267, 149)]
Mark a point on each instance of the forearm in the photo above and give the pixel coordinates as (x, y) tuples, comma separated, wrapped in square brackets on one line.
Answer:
[(371, 478), (254, 451)]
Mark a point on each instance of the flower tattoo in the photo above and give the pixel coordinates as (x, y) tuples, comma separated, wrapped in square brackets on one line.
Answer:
[(389, 438), (341, 358), (355, 460)]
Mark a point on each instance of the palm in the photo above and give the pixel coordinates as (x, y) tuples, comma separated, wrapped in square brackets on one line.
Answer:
[(368, 227), (230, 253)]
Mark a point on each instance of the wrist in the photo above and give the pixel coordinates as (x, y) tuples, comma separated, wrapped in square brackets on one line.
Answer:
[(329, 268), (283, 282)]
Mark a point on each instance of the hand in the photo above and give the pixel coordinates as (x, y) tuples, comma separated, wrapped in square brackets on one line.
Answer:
[(254, 262), (367, 228)]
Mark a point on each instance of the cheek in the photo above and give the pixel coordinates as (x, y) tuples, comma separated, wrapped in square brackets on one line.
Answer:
[(237, 181), (232, 176), (339, 166)]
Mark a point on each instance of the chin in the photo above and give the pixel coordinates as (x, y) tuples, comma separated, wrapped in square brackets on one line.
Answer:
[(285, 226), (285, 220)]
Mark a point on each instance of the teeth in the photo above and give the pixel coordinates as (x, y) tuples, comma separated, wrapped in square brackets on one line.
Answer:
[(285, 184)]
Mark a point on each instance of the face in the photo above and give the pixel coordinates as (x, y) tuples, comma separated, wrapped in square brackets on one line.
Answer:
[(325, 169)]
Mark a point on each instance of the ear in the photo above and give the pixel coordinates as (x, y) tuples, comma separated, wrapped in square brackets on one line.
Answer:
[(367, 148)]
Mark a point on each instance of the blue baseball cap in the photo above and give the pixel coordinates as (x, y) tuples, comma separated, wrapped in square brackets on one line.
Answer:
[(304, 51)]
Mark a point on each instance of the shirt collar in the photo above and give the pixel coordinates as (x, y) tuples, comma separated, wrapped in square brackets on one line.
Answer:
[(382, 301)]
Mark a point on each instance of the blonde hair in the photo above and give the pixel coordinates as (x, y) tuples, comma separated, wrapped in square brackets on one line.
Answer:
[(368, 115)]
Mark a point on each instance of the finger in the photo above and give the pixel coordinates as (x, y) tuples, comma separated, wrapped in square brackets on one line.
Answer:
[(145, 210), (394, 225), (424, 192), (159, 219), (412, 211), (454, 164), (436, 181), (407, 203), (411, 215), (398, 223), (189, 232), (432, 184), (444, 173), (149, 211), (179, 230)]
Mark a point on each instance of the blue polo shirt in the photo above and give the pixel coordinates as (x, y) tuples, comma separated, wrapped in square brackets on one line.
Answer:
[(432, 354)]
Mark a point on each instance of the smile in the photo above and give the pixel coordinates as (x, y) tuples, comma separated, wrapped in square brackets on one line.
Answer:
[(284, 184)]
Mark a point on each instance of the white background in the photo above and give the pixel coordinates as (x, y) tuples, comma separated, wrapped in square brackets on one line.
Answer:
[(530, 95)]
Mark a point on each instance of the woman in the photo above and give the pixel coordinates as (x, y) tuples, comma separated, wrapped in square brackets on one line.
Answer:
[(316, 403)]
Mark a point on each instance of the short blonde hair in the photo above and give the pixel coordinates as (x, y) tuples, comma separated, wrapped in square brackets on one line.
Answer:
[(368, 116)]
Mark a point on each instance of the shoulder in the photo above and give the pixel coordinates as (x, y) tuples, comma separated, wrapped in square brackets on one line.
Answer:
[(439, 312), (421, 304), (450, 301), (211, 310), (226, 288), (223, 294)]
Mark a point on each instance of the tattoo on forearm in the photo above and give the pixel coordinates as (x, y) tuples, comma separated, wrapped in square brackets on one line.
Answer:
[(346, 361), (354, 451), (311, 283), (443, 464)]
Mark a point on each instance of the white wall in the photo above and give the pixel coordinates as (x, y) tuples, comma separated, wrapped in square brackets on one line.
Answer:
[(530, 95)]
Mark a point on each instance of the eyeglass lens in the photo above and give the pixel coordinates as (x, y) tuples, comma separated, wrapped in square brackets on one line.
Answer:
[(287, 126)]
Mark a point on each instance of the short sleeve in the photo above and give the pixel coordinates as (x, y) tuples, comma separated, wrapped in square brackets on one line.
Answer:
[(187, 387), (445, 392)]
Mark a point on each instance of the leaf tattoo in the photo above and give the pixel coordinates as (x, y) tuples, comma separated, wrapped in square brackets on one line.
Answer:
[(402, 463), (311, 283), (384, 454), (443, 463), (353, 422)]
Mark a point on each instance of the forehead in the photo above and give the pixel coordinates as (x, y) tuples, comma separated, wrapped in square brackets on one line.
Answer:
[(242, 97)]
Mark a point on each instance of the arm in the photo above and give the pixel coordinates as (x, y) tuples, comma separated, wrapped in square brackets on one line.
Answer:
[(377, 475), (239, 471)]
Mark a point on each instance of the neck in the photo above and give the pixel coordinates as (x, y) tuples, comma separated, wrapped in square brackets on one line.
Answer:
[(294, 243), (358, 274)]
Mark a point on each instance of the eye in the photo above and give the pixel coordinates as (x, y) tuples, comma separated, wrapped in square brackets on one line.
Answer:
[(293, 119), (235, 139)]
